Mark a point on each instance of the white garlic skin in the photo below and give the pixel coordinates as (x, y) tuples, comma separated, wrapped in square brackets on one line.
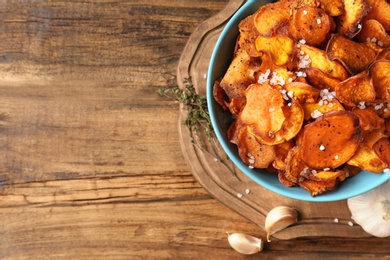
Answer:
[(371, 210), (279, 218), (245, 244)]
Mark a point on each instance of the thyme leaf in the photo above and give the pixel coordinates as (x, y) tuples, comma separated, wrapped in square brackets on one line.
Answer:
[(198, 117)]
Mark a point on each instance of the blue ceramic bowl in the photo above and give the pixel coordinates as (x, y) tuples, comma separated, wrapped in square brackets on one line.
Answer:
[(221, 120)]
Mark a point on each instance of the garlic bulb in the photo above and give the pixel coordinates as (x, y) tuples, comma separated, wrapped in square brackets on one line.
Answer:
[(279, 218), (245, 244), (371, 210)]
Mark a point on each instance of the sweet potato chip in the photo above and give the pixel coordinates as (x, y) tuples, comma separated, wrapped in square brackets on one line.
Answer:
[(317, 187), (356, 89), (219, 94), (355, 56), (283, 180), (240, 74), (294, 115), (348, 22), (236, 105), (380, 74), (324, 175), (380, 10), (369, 119), (365, 157), (274, 18), (281, 152), (333, 7), (314, 110), (248, 35), (313, 25), (264, 117), (383, 55), (373, 31), (382, 149), (320, 60), (281, 48), (302, 92), (252, 152), (295, 166), (269, 18), (322, 139), (319, 79)]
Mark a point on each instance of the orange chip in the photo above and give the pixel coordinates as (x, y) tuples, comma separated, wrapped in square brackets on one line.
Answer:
[(312, 24), (313, 110), (281, 48), (355, 56), (356, 89), (219, 94), (263, 117), (369, 119), (274, 18), (383, 55), (348, 22), (302, 92), (373, 31), (365, 157), (322, 139), (317, 187), (380, 74), (236, 105), (325, 175), (240, 74), (295, 166), (319, 79), (248, 35), (380, 10), (382, 149), (283, 180), (319, 60), (252, 152), (333, 7), (281, 152), (271, 17)]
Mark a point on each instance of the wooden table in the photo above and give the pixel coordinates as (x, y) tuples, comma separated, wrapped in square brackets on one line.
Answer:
[(91, 165)]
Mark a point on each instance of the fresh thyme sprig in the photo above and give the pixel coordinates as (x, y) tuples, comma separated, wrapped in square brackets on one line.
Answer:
[(195, 105), (198, 118)]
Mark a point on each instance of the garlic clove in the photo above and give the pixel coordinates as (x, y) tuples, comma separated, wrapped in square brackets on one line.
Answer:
[(371, 210), (279, 218), (245, 244)]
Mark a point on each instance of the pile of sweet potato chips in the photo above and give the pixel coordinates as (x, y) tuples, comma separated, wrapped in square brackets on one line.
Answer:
[(309, 89)]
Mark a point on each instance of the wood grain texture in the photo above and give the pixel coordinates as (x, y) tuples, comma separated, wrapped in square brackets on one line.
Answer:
[(90, 158)]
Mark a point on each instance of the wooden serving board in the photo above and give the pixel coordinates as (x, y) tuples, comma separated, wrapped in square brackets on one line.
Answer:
[(223, 180)]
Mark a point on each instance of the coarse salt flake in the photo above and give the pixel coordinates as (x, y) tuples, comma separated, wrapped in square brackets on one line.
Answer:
[(361, 105), (251, 167), (316, 114), (302, 41), (304, 11), (318, 21), (336, 220), (322, 148), (239, 195), (350, 223), (271, 109), (387, 170), (247, 191), (336, 157)]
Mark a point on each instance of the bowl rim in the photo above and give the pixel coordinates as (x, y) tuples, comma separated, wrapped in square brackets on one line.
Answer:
[(365, 181)]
